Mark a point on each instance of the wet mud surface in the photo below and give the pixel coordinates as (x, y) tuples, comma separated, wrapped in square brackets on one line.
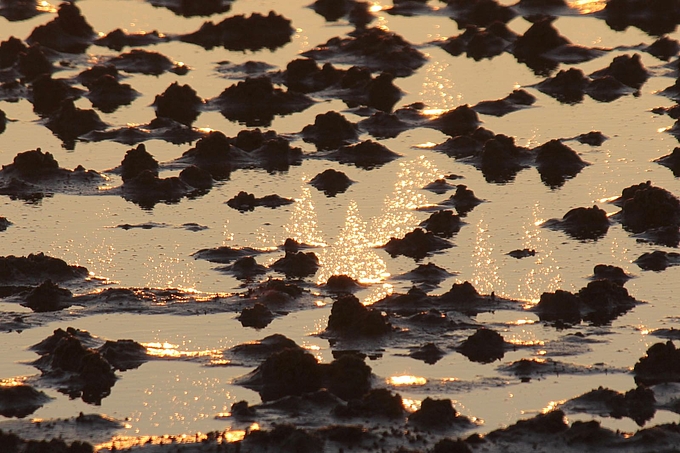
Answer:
[(470, 243)]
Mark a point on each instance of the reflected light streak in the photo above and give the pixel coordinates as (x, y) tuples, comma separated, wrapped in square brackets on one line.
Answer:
[(168, 350), (587, 6), (411, 405), (437, 91), (406, 380)]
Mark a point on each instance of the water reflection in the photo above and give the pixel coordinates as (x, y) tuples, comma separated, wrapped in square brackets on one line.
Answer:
[(587, 6), (406, 380)]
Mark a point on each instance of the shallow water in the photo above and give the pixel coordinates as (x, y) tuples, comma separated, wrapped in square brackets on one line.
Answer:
[(185, 397)]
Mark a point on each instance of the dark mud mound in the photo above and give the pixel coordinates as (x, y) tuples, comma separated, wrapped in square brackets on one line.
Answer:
[(612, 273), (292, 371), (136, 161), (660, 364), (479, 43), (146, 62), (655, 18), (429, 353), (119, 39), (254, 32), (582, 223), (107, 94), (259, 351), (443, 223), (245, 268), (147, 189), (178, 102), (658, 260), (331, 182), (34, 269), (637, 404), (521, 253), (69, 122), (340, 284), (481, 13), (500, 159), (556, 162), (68, 32), (440, 186), (15, 444), (47, 93), (367, 154), (429, 274), (255, 102), (245, 201), (671, 161), (356, 12), (258, 316), (627, 69), (484, 346), (567, 86), (20, 400), (192, 8), (464, 200), (157, 129), (517, 100), (644, 207), (374, 48), (76, 370), (297, 264), (349, 317), (435, 413), (224, 254), (330, 130), (600, 302), (374, 403), (462, 120), (48, 297), (417, 244)]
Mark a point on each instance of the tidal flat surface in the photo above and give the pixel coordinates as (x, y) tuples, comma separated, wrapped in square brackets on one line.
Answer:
[(187, 307)]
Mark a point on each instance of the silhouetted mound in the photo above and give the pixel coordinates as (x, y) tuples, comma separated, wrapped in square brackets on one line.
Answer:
[(4, 223), (255, 101), (384, 125), (245, 268), (671, 161), (34, 62), (245, 201), (568, 86), (146, 62), (342, 284), (146, 189), (118, 39), (656, 18), (243, 33), (136, 161), (539, 39), (374, 403), (440, 186), (276, 154), (20, 400), (257, 316), (612, 273), (600, 302), (107, 93), (262, 349), (305, 76), (37, 268), (481, 13), (517, 100), (645, 206), (69, 122), (350, 317), (592, 138), (297, 264), (447, 445), (293, 371), (459, 121), (556, 162), (332, 10), (429, 353), (90, 75), (48, 297), (331, 182), (10, 50), (178, 102), (664, 48), (660, 364), (501, 159), (428, 273), (551, 423), (76, 370), (523, 253), (373, 48), (48, 93), (657, 260), (464, 200), (124, 355), (157, 129), (483, 346), (367, 154), (213, 153), (417, 244), (582, 223), (442, 223), (192, 8), (637, 404), (224, 254), (479, 43), (68, 32), (329, 131), (626, 69), (436, 414)]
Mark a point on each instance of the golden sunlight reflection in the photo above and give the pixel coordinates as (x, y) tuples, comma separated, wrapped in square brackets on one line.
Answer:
[(11, 382), (45, 7), (587, 6), (485, 269), (168, 350), (303, 224), (411, 405), (438, 91), (551, 406), (406, 380), (169, 269), (351, 254)]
